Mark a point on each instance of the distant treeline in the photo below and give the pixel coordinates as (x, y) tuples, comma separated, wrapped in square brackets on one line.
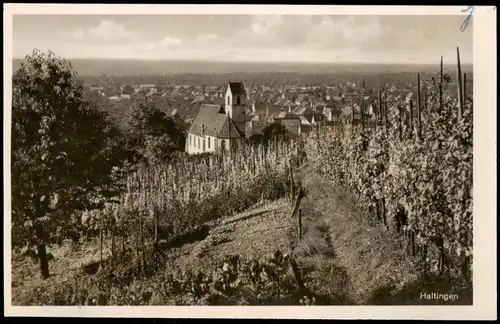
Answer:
[(271, 79), (95, 67)]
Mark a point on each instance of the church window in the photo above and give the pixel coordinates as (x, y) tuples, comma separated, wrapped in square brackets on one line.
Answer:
[(238, 100), (209, 142), (228, 102)]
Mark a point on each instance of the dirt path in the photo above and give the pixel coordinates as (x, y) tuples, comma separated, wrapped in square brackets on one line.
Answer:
[(257, 232), (363, 257)]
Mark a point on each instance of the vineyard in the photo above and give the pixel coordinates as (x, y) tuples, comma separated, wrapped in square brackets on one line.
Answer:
[(164, 201), (412, 168), (409, 165), (167, 206)]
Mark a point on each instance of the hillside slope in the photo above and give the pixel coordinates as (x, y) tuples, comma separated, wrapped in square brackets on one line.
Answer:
[(339, 254)]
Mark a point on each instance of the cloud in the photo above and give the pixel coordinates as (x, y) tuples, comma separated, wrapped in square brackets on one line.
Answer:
[(206, 39), (261, 32), (77, 34), (271, 37), (324, 33), (263, 25), (171, 42), (107, 31), (148, 47)]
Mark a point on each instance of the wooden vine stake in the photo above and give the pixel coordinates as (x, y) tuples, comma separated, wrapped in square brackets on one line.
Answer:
[(411, 119), (101, 238), (383, 212), (296, 272), (362, 107), (300, 195), (386, 113), (113, 240), (425, 100), (156, 213), (361, 111), (460, 86), (465, 88), (379, 110), (441, 86), (412, 242), (300, 225), (400, 123), (352, 113), (419, 117)]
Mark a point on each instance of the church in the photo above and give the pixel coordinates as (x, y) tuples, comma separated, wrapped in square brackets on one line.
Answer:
[(219, 127)]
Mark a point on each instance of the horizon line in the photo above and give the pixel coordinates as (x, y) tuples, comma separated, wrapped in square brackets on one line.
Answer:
[(247, 62)]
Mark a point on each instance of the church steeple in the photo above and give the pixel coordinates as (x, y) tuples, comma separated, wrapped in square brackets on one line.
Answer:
[(235, 103)]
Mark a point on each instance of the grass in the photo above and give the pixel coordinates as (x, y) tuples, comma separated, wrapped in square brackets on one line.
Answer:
[(370, 263)]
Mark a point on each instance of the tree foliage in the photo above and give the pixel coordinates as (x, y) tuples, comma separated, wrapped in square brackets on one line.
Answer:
[(65, 155), (274, 131), (154, 135)]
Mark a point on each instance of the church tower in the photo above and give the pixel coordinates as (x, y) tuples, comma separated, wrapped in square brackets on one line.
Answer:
[(235, 104)]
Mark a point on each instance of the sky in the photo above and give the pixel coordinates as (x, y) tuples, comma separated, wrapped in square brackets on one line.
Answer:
[(266, 38)]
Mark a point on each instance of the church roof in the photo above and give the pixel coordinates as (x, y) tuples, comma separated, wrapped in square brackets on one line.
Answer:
[(213, 122), (237, 88)]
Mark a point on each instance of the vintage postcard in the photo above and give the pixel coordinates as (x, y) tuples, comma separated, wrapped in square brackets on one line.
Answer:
[(279, 157)]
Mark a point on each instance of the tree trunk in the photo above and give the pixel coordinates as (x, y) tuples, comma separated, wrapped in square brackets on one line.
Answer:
[(42, 252), (44, 263)]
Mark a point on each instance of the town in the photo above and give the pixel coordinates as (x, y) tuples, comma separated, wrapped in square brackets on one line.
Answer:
[(298, 108)]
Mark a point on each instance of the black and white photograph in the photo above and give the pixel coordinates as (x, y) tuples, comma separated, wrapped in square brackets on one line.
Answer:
[(244, 159)]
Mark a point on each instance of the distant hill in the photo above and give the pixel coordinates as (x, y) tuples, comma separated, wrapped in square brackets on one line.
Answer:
[(95, 67)]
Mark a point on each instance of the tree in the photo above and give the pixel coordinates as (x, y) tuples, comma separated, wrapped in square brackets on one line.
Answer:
[(65, 155), (275, 130), (271, 132), (155, 135)]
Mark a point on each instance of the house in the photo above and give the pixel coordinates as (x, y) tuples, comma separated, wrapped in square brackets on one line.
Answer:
[(300, 98), (219, 127), (300, 111), (96, 88), (328, 114), (295, 126), (351, 111), (304, 121), (198, 99), (285, 115), (136, 87), (114, 99), (146, 86)]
